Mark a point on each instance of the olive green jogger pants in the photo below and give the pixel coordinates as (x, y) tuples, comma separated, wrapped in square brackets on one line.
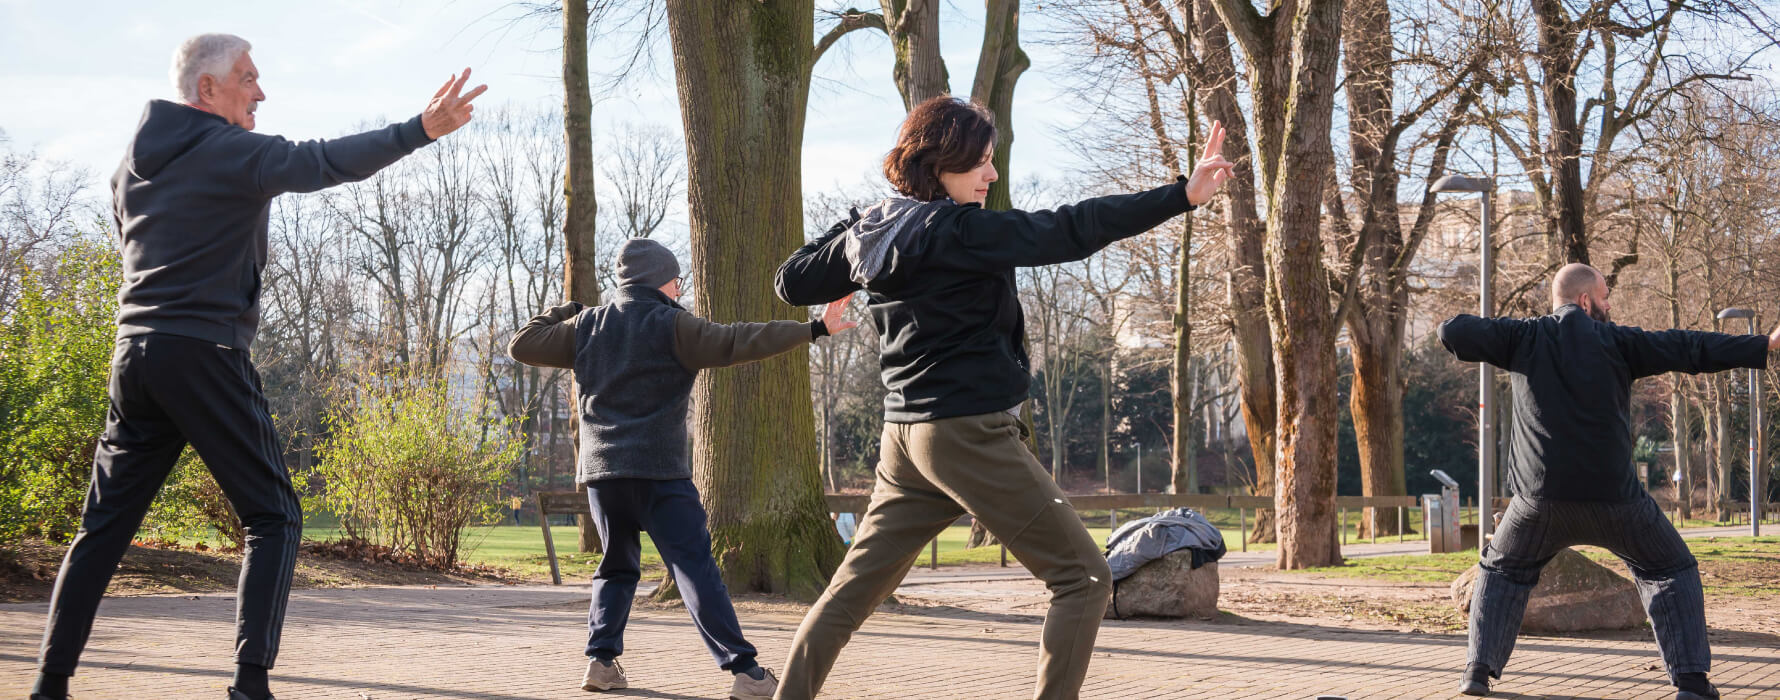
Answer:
[(928, 475)]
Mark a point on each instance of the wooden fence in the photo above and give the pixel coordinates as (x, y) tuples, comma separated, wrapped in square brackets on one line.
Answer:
[(575, 503)]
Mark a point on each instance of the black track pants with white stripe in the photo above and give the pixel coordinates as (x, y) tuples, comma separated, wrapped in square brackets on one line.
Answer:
[(166, 391)]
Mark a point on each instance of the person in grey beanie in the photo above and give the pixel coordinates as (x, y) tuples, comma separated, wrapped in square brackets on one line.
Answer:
[(634, 360)]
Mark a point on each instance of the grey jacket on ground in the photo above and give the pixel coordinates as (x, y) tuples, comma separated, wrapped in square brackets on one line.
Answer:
[(192, 200), (635, 359), (1145, 540)]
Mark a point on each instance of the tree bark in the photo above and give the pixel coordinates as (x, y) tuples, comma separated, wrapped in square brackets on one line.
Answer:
[(753, 425), (999, 65), (1305, 38), (1245, 282), (580, 280), (920, 70), (1563, 146)]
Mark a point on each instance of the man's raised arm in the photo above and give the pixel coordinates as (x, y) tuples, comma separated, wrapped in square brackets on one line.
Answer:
[(1477, 339), (1657, 352)]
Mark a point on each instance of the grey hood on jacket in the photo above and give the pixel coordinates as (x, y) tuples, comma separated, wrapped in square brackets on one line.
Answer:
[(870, 239)]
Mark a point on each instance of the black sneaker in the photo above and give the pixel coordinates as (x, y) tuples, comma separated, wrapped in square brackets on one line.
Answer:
[(1476, 681), (1710, 692), (238, 695)]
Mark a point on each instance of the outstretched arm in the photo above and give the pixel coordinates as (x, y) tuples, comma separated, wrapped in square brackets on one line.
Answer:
[(1656, 352), (546, 341), (701, 344), (1003, 239), (1477, 339), (277, 166)]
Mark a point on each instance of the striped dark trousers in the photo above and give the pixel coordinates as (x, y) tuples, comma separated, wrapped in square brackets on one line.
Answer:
[(167, 390), (1532, 532)]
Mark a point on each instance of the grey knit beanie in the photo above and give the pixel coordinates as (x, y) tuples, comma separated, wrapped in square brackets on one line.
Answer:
[(645, 262)]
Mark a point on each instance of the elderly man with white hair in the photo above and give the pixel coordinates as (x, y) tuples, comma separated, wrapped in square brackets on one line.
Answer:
[(191, 201)]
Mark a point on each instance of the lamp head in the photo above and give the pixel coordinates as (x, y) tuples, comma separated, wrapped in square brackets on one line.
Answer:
[(1734, 312), (1461, 183)]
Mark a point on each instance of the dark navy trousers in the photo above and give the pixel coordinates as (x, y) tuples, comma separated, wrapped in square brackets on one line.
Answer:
[(670, 512), (1533, 532), (167, 390)]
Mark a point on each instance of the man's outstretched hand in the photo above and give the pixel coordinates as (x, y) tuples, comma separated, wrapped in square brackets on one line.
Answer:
[(1774, 339), (831, 315), (449, 108), (1212, 170)]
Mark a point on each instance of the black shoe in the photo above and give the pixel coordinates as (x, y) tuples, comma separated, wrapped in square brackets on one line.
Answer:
[(40, 696), (238, 695), (1476, 681), (1711, 693), (1694, 686)]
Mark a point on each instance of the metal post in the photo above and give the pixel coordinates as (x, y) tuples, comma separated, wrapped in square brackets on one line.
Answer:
[(1344, 526), (1242, 526), (1486, 388), (1140, 466), (1399, 524), (933, 555), (1756, 511)]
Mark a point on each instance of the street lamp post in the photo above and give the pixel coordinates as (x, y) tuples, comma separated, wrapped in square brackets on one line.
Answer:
[(1755, 486), (1486, 403)]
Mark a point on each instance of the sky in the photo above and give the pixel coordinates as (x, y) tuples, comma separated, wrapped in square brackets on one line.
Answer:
[(77, 74)]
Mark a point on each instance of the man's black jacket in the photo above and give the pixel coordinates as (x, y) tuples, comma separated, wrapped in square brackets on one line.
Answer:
[(951, 331), (1572, 379)]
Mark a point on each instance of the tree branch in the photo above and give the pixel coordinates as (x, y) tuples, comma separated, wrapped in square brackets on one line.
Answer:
[(849, 20), (1245, 23)]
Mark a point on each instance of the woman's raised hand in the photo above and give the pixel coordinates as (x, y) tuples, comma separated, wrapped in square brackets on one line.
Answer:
[(1212, 170)]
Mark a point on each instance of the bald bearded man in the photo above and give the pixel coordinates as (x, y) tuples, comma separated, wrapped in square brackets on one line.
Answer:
[(1570, 467)]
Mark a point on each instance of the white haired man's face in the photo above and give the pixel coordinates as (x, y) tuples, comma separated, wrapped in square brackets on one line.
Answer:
[(234, 97)]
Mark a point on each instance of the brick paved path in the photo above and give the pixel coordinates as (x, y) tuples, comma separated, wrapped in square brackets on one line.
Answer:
[(524, 642)]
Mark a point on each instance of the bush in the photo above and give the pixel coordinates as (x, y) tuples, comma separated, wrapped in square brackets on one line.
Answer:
[(55, 361), (192, 507), (405, 466), (55, 367)]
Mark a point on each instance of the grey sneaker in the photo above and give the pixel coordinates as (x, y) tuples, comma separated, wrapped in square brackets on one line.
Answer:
[(746, 688), (602, 675)]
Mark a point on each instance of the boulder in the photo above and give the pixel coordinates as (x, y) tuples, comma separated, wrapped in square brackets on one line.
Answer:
[(1574, 595), (1167, 587)]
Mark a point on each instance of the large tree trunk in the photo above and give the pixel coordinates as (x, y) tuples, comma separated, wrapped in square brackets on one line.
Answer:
[(1377, 322), (999, 65), (1563, 147), (1300, 39), (1245, 280), (1377, 408), (920, 70), (742, 69), (580, 280)]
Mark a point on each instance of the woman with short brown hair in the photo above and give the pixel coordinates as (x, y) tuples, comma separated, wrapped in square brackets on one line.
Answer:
[(938, 270)]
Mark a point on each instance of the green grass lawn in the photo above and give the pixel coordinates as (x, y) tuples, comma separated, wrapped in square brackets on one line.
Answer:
[(520, 548), (1739, 565)]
